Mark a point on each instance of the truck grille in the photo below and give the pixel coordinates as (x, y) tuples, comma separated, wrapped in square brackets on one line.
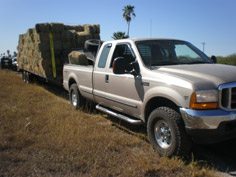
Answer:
[(228, 96)]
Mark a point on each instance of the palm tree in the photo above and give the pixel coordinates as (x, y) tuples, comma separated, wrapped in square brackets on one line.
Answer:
[(14, 54), (119, 35), (8, 53), (128, 13)]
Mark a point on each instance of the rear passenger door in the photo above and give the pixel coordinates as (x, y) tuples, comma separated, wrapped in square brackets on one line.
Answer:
[(99, 76)]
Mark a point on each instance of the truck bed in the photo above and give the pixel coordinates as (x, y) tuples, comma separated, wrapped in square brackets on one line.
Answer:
[(85, 79)]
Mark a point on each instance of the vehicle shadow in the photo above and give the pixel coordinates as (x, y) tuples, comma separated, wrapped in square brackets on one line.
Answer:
[(139, 131), (221, 156), (57, 90)]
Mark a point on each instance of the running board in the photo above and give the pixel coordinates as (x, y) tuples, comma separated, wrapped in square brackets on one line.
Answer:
[(120, 116)]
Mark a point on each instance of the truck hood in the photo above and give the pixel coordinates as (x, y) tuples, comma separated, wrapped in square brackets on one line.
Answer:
[(201, 76)]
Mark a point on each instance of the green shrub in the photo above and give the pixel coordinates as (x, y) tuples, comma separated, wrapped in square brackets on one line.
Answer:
[(229, 60)]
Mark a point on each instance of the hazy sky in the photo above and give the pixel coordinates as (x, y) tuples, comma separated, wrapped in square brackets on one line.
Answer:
[(197, 21)]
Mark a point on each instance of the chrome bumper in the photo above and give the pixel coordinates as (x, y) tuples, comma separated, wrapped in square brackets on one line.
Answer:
[(206, 119)]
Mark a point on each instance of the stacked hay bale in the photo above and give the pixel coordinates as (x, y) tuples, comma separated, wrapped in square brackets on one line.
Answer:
[(77, 58), (35, 51)]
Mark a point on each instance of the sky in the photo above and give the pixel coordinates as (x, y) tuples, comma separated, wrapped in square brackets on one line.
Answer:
[(212, 22)]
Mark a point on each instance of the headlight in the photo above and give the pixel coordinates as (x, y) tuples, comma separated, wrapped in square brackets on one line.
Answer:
[(204, 99)]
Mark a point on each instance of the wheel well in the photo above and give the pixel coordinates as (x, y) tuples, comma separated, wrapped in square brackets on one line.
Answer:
[(158, 102), (71, 81)]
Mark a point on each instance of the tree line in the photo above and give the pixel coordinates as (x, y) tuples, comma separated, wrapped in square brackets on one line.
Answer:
[(9, 54)]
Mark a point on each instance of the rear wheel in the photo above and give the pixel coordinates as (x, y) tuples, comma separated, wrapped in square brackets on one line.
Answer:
[(167, 134), (24, 76), (27, 77), (76, 98)]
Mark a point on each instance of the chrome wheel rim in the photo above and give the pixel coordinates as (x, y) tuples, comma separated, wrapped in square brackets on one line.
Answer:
[(163, 134), (74, 99)]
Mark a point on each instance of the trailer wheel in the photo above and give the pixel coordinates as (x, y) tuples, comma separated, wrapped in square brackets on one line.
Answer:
[(76, 98), (27, 74), (167, 133), (23, 75)]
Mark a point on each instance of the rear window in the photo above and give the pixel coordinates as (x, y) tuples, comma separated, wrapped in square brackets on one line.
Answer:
[(104, 55), (5, 60)]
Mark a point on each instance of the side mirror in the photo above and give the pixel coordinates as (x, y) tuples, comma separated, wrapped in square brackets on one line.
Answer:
[(214, 59), (134, 68), (119, 65)]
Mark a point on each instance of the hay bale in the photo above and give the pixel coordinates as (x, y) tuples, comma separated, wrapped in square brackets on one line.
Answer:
[(97, 28), (57, 27), (42, 27), (77, 28), (43, 37), (77, 58), (58, 45)]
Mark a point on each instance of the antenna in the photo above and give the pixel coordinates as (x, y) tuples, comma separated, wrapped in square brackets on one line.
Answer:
[(150, 28), (203, 45)]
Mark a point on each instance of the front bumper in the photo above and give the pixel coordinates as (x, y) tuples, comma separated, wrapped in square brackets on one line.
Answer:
[(209, 126)]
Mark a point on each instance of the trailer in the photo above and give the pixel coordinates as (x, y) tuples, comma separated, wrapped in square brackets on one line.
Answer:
[(43, 50)]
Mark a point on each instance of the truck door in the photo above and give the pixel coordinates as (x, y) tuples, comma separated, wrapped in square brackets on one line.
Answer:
[(124, 92)]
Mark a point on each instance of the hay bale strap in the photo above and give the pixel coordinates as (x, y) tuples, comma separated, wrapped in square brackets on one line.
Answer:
[(52, 55)]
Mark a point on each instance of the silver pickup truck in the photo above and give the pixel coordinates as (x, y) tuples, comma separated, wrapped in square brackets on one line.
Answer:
[(169, 85)]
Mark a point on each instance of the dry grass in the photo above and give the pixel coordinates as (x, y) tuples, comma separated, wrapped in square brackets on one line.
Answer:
[(41, 135)]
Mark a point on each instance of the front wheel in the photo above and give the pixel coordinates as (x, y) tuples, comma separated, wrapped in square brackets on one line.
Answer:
[(76, 98), (167, 134)]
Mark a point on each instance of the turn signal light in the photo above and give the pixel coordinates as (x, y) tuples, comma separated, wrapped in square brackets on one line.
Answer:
[(195, 105)]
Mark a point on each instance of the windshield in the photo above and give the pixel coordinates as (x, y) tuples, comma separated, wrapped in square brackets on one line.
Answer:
[(169, 52)]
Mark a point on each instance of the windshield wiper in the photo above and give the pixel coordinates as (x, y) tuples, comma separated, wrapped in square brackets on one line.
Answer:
[(197, 62), (166, 63)]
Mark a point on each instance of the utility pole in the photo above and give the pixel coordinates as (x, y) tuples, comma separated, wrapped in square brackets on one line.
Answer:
[(203, 44)]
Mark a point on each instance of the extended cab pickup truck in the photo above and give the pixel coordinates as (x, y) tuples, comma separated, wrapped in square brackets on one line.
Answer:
[(169, 85)]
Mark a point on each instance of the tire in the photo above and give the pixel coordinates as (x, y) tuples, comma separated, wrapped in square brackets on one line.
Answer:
[(92, 45), (24, 76), (27, 77), (166, 132), (76, 99)]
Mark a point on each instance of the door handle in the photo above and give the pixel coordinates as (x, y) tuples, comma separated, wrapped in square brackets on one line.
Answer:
[(107, 78)]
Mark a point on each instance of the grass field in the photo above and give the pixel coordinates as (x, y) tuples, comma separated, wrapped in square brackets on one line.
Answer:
[(42, 135)]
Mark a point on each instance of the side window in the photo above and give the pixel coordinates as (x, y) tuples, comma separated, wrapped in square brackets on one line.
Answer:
[(122, 50), (104, 55)]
